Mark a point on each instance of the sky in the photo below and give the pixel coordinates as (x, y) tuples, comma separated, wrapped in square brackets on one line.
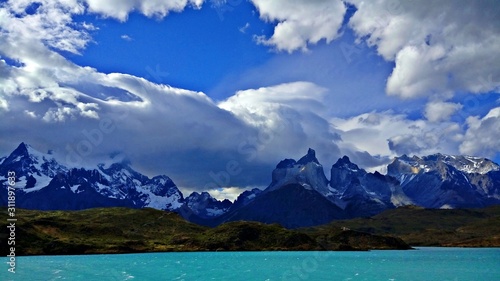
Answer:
[(215, 93)]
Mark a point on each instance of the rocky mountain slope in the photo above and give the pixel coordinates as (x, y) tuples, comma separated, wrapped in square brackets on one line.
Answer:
[(445, 181)]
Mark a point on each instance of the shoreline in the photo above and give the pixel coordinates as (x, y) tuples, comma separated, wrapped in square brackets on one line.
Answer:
[(414, 248)]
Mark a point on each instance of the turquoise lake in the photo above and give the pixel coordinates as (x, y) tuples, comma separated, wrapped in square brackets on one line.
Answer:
[(420, 264)]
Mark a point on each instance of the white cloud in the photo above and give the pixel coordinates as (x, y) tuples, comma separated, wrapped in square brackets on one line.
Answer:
[(287, 117), (126, 37), (244, 28), (300, 22), (31, 114), (230, 193), (52, 24), (119, 9), (438, 48), (44, 76), (440, 111), (4, 105), (387, 134), (483, 135), (59, 114), (248, 104)]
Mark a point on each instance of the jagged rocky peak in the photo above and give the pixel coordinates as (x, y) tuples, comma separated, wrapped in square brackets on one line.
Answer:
[(308, 158), (470, 164), (205, 206), (27, 162), (22, 149), (346, 163), (25, 154), (287, 163), (163, 186), (307, 172), (19, 161), (441, 162), (443, 181), (403, 165), (163, 180), (26, 151), (358, 192), (194, 196), (123, 173), (112, 184), (344, 173), (246, 197), (288, 169), (205, 198)]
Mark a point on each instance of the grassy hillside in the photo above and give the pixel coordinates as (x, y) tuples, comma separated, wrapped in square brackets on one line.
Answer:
[(122, 230), (106, 230), (429, 227)]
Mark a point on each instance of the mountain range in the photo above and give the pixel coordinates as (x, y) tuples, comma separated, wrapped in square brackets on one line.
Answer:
[(299, 194)]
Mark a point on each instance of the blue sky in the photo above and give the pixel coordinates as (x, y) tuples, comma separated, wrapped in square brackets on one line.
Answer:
[(194, 49), (191, 86)]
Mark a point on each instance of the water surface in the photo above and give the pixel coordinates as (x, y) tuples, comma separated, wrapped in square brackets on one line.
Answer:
[(421, 264)]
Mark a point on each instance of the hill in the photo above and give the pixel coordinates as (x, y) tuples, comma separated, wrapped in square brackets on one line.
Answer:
[(428, 227), (124, 230)]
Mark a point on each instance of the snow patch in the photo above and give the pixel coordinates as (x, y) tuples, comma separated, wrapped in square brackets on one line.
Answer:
[(74, 188), (21, 183), (41, 182), (160, 202), (215, 212), (446, 207)]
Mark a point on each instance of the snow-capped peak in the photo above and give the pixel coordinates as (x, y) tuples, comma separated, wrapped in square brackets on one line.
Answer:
[(34, 170), (27, 161), (104, 184), (466, 164), (471, 164)]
